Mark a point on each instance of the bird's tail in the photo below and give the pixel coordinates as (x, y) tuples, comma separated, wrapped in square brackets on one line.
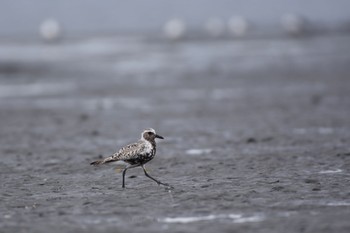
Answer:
[(103, 161), (97, 162)]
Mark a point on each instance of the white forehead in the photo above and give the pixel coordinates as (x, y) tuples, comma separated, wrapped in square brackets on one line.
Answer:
[(149, 130)]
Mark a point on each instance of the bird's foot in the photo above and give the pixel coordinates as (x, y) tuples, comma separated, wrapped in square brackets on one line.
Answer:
[(168, 186)]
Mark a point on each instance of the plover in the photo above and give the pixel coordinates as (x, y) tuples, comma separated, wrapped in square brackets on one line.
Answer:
[(136, 154)]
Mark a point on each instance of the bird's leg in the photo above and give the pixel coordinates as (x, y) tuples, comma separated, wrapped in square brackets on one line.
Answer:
[(124, 171), (158, 182)]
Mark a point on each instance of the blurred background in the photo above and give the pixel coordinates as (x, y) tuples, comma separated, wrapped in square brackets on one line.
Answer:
[(161, 42), (252, 98), (22, 18)]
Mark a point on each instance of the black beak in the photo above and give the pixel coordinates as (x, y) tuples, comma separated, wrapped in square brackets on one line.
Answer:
[(158, 136)]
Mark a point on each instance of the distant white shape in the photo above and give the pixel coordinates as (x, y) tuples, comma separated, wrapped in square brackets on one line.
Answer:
[(52, 161), (321, 130), (256, 218), (189, 219), (215, 26), (50, 30), (331, 171), (237, 218), (293, 23), (338, 203), (198, 151), (322, 203), (299, 131), (324, 130), (238, 25), (175, 29)]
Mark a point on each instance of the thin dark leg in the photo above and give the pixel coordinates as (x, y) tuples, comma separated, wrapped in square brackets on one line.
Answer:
[(127, 167), (158, 182), (123, 186)]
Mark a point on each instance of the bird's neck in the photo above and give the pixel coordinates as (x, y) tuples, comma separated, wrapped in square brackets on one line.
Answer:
[(153, 142)]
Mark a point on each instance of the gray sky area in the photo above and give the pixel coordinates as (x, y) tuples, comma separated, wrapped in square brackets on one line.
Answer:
[(23, 17)]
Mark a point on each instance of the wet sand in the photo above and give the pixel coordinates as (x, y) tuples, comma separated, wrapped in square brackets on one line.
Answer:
[(255, 140)]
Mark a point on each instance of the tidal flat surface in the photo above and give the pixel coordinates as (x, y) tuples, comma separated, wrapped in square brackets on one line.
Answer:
[(257, 135)]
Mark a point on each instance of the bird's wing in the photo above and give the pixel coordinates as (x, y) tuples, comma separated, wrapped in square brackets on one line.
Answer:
[(130, 151)]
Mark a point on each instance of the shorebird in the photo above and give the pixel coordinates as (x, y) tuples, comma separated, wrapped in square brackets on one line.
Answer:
[(136, 154)]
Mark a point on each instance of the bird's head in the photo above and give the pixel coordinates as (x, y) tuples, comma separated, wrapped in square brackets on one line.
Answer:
[(150, 135)]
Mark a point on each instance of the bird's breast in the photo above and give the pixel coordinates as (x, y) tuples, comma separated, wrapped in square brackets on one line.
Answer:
[(149, 148)]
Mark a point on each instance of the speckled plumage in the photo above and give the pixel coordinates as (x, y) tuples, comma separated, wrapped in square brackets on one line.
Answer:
[(136, 154)]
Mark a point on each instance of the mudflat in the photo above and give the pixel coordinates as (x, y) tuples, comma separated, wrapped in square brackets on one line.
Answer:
[(256, 132)]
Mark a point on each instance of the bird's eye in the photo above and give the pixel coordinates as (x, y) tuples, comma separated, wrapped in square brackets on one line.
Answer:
[(150, 133)]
